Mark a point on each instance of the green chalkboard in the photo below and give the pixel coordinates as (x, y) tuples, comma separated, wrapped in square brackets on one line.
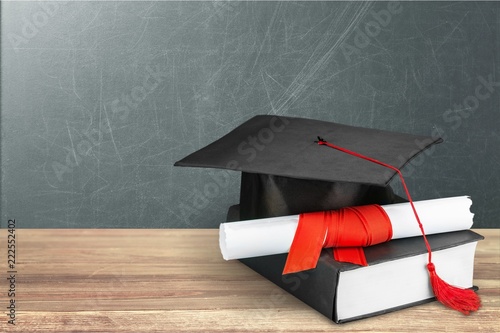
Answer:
[(100, 98)]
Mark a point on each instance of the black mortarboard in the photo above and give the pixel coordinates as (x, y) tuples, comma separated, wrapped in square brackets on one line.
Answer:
[(285, 172)]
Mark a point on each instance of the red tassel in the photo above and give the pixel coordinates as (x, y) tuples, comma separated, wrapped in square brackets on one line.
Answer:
[(460, 299), (463, 300)]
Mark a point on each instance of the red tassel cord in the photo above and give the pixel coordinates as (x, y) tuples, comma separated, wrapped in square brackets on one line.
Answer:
[(460, 299)]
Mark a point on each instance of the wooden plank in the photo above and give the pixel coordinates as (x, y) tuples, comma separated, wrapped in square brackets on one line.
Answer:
[(174, 280)]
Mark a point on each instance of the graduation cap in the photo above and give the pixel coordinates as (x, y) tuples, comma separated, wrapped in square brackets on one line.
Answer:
[(285, 172)]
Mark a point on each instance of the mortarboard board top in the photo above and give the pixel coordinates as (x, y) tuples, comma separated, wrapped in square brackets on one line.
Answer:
[(284, 146)]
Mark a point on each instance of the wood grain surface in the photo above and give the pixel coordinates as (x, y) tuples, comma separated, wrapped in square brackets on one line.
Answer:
[(174, 280)]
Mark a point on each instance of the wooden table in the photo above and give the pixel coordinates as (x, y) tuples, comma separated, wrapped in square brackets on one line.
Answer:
[(173, 280)]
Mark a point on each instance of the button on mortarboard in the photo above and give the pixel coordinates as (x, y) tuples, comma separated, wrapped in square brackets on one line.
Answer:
[(285, 172)]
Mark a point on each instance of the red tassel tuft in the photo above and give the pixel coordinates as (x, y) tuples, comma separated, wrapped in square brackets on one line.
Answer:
[(460, 299)]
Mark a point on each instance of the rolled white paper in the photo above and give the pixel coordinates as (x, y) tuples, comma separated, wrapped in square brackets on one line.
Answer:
[(260, 237)]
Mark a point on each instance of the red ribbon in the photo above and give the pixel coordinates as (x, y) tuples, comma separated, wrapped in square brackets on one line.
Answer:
[(347, 230)]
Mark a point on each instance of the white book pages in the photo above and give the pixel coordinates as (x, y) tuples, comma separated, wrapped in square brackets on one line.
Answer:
[(408, 282), (260, 237)]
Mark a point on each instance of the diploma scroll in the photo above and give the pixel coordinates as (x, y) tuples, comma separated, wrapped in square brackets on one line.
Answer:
[(267, 236)]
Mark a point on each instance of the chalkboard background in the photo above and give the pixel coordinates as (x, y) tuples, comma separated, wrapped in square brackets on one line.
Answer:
[(99, 99)]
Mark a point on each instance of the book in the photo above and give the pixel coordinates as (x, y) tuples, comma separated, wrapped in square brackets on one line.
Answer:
[(396, 276)]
